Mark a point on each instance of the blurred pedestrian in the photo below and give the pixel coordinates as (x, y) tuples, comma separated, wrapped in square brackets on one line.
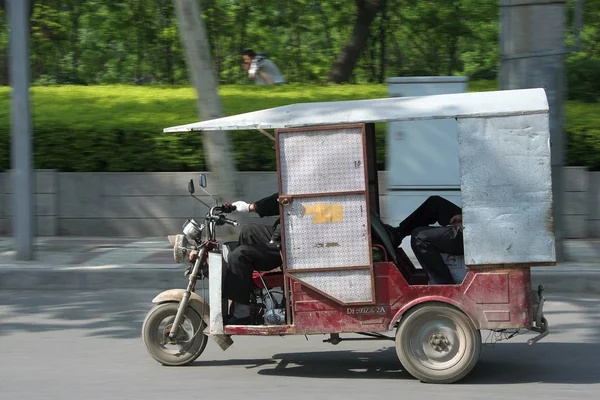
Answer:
[(261, 69)]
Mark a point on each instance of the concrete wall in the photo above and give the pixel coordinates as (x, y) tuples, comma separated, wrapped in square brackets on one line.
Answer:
[(45, 201), (157, 203), (594, 204), (141, 204)]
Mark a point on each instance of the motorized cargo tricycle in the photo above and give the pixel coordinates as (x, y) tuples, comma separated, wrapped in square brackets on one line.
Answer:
[(341, 273)]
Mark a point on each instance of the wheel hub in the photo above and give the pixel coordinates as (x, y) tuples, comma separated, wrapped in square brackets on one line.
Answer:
[(439, 342), (180, 336)]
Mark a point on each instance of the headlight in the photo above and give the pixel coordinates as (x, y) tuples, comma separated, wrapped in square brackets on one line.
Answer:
[(180, 250), (192, 230)]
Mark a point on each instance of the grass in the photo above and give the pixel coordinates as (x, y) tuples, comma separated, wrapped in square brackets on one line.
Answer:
[(153, 108)]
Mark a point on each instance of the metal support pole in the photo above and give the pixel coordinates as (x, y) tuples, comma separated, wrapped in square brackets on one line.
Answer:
[(532, 52), (21, 152)]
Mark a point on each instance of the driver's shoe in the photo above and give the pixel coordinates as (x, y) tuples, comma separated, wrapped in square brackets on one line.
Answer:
[(231, 320), (239, 314)]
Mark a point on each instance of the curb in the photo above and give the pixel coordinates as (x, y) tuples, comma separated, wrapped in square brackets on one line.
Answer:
[(579, 279)]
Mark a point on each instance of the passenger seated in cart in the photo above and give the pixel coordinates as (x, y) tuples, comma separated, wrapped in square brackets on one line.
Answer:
[(428, 242)]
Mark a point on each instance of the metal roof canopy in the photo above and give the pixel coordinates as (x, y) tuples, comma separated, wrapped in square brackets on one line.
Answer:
[(461, 105), (504, 158)]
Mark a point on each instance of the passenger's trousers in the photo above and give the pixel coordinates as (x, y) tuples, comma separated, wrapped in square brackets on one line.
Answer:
[(428, 242)]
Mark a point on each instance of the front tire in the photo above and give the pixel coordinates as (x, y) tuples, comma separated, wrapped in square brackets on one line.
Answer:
[(189, 342), (437, 343)]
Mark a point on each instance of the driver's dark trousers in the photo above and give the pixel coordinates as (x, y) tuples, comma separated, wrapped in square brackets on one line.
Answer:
[(254, 253), (427, 241)]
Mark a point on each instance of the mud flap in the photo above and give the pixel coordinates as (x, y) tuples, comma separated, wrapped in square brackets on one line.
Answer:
[(224, 341), (215, 284)]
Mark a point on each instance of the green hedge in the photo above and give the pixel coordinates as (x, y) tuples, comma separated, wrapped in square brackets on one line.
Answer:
[(583, 78), (119, 128), (582, 126)]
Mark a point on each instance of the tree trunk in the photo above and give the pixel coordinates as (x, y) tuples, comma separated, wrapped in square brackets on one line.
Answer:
[(382, 29), (216, 143), (4, 53), (300, 72), (140, 41), (167, 44), (372, 51), (4, 72), (326, 28), (453, 57), (243, 21), (75, 17), (345, 62)]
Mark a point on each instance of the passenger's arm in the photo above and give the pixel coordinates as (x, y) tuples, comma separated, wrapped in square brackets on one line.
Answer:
[(266, 77), (267, 207)]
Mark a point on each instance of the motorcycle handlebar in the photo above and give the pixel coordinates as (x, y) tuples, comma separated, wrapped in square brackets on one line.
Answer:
[(228, 208), (230, 221), (216, 216)]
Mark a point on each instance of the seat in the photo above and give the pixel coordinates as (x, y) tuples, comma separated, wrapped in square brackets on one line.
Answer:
[(398, 256), (384, 237), (273, 278)]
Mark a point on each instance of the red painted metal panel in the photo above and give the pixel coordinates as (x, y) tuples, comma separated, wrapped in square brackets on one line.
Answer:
[(497, 316), (259, 330), (489, 288), (507, 306), (492, 298)]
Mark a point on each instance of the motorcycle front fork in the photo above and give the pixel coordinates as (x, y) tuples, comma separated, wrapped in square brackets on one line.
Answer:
[(191, 287)]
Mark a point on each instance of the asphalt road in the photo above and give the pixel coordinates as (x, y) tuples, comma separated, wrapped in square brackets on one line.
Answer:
[(87, 345)]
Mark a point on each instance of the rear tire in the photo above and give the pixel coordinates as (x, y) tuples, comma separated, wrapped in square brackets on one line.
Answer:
[(189, 342), (437, 343)]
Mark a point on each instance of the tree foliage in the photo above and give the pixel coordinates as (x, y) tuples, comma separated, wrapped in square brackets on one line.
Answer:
[(136, 41)]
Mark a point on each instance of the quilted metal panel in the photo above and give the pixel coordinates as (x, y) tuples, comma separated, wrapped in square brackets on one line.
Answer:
[(322, 161), (345, 286), (326, 232)]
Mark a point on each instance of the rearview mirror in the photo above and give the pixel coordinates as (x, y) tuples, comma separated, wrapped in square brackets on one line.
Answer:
[(191, 186), (203, 180)]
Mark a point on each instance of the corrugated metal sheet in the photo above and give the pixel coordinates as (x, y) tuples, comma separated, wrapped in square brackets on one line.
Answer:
[(506, 190), (461, 105)]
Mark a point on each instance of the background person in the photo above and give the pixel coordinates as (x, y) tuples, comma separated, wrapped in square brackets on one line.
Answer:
[(260, 68)]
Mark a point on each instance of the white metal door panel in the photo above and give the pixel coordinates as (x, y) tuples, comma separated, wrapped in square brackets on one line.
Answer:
[(326, 232)]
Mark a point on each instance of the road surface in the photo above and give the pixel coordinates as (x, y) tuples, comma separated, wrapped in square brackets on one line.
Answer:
[(87, 345)]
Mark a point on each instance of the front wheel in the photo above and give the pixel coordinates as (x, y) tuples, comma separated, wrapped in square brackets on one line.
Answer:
[(437, 343), (185, 347)]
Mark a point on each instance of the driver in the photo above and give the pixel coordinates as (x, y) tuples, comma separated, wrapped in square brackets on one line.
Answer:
[(258, 249)]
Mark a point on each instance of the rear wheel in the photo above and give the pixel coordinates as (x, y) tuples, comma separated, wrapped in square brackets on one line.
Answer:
[(437, 343), (188, 343)]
